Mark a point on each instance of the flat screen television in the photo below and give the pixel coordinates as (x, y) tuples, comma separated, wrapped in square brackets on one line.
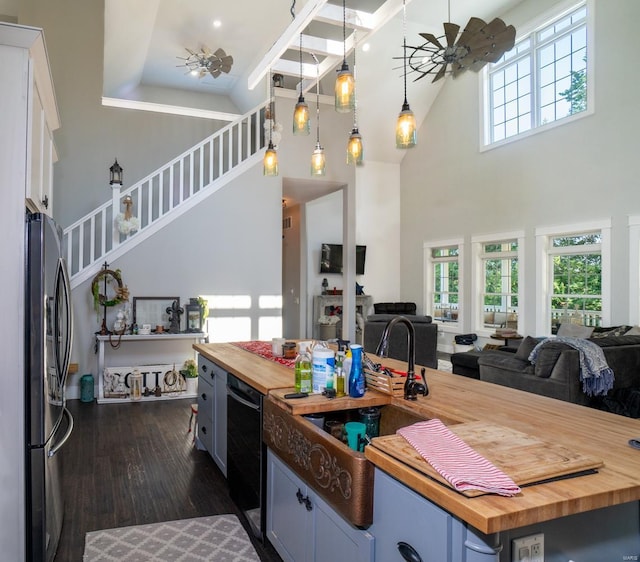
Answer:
[(331, 258)]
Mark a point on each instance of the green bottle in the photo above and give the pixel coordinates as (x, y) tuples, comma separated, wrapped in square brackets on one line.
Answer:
[(302, 369)]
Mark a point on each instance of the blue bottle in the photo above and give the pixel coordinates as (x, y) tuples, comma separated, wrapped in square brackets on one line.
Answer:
[(356, 375)]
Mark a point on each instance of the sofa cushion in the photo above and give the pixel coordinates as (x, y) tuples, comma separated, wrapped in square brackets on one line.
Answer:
[(574, 331), (394, 307), (386, 317), (634, 331), (609, 332), (547, 358), (526, 347)]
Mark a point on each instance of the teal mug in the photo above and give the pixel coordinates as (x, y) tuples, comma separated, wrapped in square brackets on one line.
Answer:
[(355, 435)]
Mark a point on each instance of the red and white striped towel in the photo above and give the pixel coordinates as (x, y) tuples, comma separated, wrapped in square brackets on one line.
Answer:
[(455, 461)]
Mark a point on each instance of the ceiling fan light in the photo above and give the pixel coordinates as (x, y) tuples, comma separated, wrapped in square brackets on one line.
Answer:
[(355, 152), (318, 161), (270, 162), (406, 130), (345, 90), (301, 118)]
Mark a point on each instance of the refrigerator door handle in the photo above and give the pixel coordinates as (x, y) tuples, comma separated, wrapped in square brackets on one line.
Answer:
[(62, 363), (65, 437)]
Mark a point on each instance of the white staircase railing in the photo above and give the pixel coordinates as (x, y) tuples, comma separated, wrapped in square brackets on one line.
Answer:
[(165, 194)]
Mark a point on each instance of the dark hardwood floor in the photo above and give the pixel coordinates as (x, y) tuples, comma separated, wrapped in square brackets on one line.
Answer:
[(135, 463)]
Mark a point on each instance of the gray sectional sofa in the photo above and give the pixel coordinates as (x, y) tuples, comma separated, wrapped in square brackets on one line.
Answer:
[(556, 373)]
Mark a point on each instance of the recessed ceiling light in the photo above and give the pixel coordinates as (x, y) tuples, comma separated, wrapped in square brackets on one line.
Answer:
[(365, 47), (217, 23)]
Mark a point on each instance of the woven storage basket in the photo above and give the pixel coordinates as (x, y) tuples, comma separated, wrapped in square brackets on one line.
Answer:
[(383, 383)]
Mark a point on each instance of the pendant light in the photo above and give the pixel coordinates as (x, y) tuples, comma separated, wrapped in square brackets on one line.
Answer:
[(345, 83), (301, 118), (355, 153), (318, 160), (270, 162), (406, 136)]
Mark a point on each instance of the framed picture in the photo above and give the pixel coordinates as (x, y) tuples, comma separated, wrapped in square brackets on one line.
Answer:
[(194, 317), (152, 310)]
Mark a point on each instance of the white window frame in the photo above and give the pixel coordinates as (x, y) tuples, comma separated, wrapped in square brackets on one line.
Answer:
[(429, 288), (544, 235), (477, 278), (634, 270), (523, 32)]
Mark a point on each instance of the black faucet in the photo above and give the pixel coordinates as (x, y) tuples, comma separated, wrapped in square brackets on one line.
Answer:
[(411, 386)]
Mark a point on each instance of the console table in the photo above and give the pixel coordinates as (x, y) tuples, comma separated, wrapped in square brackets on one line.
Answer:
[(134, 340), (323, 303)]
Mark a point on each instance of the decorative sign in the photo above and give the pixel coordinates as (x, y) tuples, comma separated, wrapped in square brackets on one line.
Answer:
[(156, 380)]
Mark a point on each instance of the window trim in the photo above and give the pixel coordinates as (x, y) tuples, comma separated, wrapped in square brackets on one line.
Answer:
[(477, 280), (543, 236), (634, 269), (428, 266), (522, 32)]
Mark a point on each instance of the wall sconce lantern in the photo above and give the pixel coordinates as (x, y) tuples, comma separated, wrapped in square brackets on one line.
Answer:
[(115, 173)]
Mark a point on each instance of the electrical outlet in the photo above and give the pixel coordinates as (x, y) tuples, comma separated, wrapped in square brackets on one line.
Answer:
[(528, 549)]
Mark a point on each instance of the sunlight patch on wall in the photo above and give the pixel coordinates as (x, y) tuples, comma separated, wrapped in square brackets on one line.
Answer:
[(269, 327), (229, 329)]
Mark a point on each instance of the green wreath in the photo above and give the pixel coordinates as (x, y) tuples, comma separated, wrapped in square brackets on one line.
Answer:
[(102, 300)]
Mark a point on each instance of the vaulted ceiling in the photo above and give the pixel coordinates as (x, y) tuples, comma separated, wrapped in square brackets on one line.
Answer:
[(145, 39)]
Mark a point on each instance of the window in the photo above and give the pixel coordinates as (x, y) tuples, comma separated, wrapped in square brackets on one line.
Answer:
[(577, 270), (543, 79), (444, 282), (499, 300)]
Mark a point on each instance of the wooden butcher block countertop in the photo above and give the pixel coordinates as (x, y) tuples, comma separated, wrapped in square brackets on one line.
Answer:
[(583, 431), (262, 374), (455, 400)]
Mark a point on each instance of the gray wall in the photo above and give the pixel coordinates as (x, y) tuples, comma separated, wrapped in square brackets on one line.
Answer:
[(578, 172)]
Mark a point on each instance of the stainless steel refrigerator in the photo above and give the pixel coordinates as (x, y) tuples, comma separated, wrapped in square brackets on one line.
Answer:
[(48, 423)]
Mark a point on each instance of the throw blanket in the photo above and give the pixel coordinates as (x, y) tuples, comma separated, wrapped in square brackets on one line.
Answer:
[(595, 374)]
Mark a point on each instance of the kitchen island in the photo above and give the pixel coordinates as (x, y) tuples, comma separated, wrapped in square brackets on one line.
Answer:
[(457, 400)]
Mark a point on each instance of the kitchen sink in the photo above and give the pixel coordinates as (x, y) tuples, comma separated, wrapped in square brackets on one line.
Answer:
[(342, 476)]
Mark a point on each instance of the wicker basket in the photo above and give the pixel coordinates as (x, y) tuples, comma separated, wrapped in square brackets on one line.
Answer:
[(383, 383)]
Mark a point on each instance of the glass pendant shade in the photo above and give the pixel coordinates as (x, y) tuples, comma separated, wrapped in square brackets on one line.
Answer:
[(345, 90), (355, 153), (406, 131), (318, 161), (270, 162), (301, 119)]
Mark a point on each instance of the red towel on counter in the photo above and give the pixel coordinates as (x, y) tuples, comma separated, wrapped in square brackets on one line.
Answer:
[(455, 461)]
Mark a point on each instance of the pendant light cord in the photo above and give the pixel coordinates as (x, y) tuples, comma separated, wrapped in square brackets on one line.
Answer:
[(317, 98), (404, 47), (344, 30)]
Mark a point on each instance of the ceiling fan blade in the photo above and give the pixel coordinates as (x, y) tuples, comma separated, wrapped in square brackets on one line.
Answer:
[(441, 73), (473, 26), (451, 32), (431, 38), (215, 72), (220, 53)]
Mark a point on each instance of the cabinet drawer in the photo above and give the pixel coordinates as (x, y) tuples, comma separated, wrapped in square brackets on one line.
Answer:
[(206, 431), (208, 370), (206, 398)]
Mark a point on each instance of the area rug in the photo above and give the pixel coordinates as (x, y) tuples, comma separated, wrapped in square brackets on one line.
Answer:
[(219, 538)]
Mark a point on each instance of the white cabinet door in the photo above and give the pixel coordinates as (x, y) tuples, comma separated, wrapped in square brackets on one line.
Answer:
[(402, 516), (288, 520), (220, 420), (304, 528), (212, 406)]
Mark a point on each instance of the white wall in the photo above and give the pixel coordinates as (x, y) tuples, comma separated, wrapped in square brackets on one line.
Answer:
[(578, 172)]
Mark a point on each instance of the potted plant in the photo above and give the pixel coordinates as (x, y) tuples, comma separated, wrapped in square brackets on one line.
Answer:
[(190, 373)]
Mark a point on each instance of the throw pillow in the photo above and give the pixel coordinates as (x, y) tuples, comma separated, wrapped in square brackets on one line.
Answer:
[(526, 347), (634, 331), (574, 331), (610, 332)]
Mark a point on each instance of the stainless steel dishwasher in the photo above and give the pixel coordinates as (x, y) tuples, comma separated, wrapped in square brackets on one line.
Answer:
[(246, 453)]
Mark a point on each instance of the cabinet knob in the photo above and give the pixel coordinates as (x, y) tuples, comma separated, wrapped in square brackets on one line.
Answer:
[(408, 553), (204, 395), (304, 500), (204, 368), (203, 428)]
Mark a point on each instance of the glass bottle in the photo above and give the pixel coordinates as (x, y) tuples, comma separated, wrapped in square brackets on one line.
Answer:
[(302, 368), (356, 376), (340, 387)]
